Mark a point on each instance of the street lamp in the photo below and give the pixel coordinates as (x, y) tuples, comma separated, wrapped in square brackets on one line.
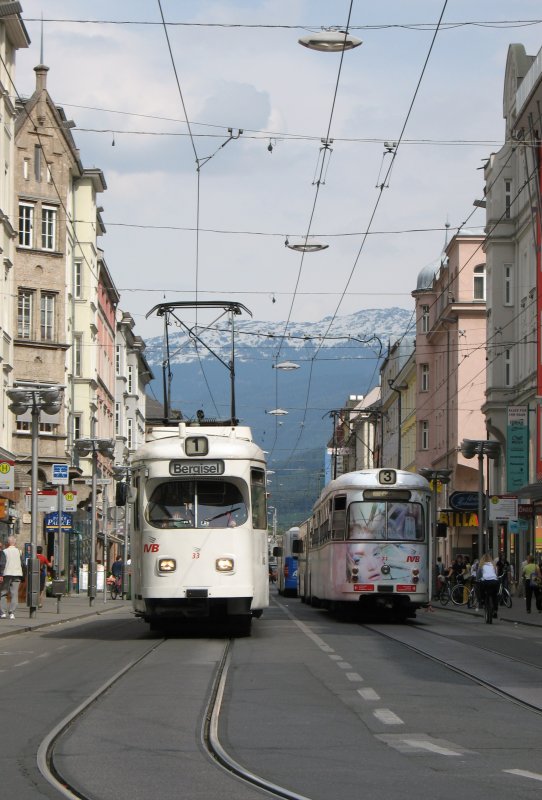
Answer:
[(330, 40), (85, 447), (435, 477), (480, 447), (308, 245), (36, 398)]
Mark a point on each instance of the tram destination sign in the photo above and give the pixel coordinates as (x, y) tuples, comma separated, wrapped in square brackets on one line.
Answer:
[(197, 468)]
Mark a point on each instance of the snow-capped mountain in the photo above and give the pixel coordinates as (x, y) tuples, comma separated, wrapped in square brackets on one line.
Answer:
[(346, 362)]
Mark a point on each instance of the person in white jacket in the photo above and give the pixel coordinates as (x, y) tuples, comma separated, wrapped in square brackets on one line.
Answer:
[(11, 574)]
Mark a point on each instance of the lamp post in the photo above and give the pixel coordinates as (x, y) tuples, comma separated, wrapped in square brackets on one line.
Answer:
[(123, 476), (37, 398), (435, 477), (84, 447), (480, 447)]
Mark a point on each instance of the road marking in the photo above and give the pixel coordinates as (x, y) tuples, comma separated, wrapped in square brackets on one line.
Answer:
[(336, 658), (387, 717), (368, 694), (353, 676), (344, 665), (431, 746), (22, 663), (523, 773)]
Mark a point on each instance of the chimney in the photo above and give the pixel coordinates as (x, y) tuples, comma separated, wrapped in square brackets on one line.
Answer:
[(41, 87)]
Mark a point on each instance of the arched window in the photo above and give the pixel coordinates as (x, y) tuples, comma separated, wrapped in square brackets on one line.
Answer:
[(479, 283)]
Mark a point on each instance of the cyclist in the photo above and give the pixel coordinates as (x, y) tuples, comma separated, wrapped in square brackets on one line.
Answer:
[(116, 572), (488, 581)]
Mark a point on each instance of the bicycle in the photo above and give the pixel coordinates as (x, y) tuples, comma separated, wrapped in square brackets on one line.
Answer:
[(116, 588), (449, 592), (504, 598), (463, 595)]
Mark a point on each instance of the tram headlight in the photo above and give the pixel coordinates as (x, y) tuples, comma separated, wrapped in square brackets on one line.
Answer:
[(224, 564), (167, 565)]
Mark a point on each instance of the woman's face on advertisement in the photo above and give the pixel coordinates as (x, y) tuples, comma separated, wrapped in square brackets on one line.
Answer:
[(369, 561)]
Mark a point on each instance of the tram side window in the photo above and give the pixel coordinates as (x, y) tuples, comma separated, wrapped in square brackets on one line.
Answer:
[(338, 519), (137, 519), (259, 501)]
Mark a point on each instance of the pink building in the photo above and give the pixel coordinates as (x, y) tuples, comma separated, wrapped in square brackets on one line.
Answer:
[(451, 377)]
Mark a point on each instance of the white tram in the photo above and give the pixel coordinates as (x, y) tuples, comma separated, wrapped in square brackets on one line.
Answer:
[(199, 526), (368, 542)]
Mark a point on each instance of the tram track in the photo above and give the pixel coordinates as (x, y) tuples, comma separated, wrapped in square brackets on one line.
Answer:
[(209, 734), (471, 673)]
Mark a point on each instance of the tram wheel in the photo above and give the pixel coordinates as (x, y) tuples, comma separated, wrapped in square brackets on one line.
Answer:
[(240, 625)]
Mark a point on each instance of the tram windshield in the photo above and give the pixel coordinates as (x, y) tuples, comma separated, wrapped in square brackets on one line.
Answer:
[(385, 520), (196, 504)]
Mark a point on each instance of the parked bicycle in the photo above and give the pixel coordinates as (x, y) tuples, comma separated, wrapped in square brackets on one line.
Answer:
[(453, 593), (504, 598)]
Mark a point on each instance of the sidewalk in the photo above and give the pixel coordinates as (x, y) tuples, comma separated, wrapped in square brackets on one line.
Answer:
[(70, 607), (517, 614)]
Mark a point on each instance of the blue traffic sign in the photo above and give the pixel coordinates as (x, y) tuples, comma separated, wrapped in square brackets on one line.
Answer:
[(60, 473)]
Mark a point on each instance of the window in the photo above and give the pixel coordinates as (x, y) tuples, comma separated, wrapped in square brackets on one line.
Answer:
[(117, 419), (424, 435), (37, 162), (78, 280), (130, 386), (26, 168), (385, 520), (47, 317), (24, 314), (130, 433), (479, 283), (78, 355), (26, 224), (259, 505), (196, 504), (48, 228), (507, 199), (425, 319), (507, 368), (76, 426), (45, 427), (117, 359), (424, 377), (508, 294)]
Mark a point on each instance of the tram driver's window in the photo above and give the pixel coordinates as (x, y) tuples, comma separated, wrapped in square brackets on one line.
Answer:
[(367, 520), (172, 505), (220, 505)]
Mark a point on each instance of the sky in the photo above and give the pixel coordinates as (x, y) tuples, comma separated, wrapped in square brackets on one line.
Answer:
[(191, 211)]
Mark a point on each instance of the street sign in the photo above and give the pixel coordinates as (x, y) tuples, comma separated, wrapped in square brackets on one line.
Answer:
[(51, 521), (60, 474), (7, 476), (99, 481)]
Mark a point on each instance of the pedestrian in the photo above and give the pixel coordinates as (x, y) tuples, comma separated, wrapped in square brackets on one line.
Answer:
[(532, 583), (44, 564), (440, 571), (503, 569), (488, 581), (11, 574)]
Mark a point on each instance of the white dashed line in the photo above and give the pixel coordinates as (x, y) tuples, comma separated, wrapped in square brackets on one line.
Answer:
[(434, 748), (353, 676), (523, 773), (21, 663), (344, 665), (387, 717), (369, 694), (336, 658)]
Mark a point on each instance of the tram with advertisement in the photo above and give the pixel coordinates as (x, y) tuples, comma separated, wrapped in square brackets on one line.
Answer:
[(197, 491), (367, 544), (287, 563)]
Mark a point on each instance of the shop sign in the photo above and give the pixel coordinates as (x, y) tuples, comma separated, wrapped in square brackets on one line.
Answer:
[(465, 501)]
